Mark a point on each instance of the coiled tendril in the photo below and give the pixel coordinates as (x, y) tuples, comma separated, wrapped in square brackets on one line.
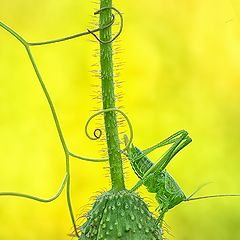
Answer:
[(97, 133), (104, 111), (120, 29)]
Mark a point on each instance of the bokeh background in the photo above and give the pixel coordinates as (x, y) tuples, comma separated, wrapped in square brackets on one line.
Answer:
[(181, 70)]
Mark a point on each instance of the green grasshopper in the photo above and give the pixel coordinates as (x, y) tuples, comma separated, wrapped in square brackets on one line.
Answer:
[(154, 176)]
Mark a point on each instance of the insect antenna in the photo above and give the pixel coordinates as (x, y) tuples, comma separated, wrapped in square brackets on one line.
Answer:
[(212, 196), (197, 190), (191, 198)]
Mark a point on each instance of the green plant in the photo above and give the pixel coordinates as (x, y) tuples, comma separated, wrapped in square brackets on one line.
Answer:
[(118, 213)]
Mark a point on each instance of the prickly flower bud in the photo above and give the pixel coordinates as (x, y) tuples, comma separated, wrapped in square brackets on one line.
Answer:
[(120, 215)]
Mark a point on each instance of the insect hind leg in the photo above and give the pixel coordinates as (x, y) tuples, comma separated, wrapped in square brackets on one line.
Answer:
[(178, 144), (185, 142), (170, 140), (167, 141)]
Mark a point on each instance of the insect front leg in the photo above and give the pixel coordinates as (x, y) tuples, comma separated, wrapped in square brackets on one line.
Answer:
[(163, 202), (155, 184)]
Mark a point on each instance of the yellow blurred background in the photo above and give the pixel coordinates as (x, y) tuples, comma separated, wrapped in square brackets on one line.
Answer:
[(181, 71)]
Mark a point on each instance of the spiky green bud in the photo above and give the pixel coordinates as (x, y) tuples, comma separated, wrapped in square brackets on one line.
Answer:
[(120, 215)]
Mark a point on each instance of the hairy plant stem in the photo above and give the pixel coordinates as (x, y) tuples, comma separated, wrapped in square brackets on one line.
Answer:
[(108, 99)]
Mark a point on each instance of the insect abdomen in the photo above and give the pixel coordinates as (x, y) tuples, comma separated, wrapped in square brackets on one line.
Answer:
[(140, 165)]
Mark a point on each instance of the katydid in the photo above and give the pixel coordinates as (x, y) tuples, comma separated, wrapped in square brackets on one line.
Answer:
[(156, 178)]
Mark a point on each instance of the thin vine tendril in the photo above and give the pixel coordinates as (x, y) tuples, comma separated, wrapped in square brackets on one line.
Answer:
[(26, 43), (97, 132), (73, 36), (104, 111), (44, 200), (120, 29), (66, 152)]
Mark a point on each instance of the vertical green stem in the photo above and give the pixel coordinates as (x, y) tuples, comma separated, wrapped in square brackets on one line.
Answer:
[(108, 98)]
